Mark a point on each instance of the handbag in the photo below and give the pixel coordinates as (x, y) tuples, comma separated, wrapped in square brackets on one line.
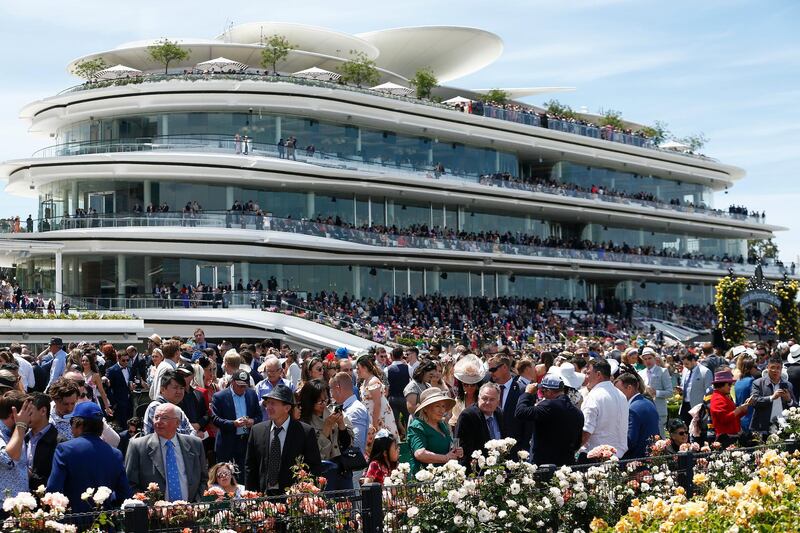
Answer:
[(352, 460)]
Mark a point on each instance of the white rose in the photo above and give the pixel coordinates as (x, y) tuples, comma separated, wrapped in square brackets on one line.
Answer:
[(101, 495), (412, 512), (424, 475), (491, 460), (87, 494), (484, 515), (514, 488), (502, 514), (458, 519), (522, 454)]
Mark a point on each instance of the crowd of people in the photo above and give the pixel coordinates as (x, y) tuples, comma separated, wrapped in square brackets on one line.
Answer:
[(193, 416)]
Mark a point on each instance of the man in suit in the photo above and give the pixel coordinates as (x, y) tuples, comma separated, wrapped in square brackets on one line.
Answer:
[(274, 446), (398, 376), (42, 441), (87, 462), (119, 377), (480, 423), (200, 342), (500, 373), (176, 462), (695, 383), (770, 395), (642, 416), (234, 411), (658, 385), (138, 363), (557, 423)]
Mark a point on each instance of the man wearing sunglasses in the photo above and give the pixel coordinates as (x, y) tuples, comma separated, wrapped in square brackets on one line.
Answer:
[(500, 373)]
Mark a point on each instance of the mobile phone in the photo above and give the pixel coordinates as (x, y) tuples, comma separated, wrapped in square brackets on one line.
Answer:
[(455, 444), (337, 409), (783, 386)]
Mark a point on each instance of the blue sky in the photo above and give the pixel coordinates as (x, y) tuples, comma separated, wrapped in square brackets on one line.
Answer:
[(726, 68)]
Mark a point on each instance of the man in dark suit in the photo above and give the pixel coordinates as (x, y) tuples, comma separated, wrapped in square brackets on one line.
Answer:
[(176, 462), (275, 445), (42, 441), (88, 462), (500, 373), (234, 411), (557, 423), (119, 376), (642, 415), (480, 423), (770, 395), (200, 342), (398, 375)]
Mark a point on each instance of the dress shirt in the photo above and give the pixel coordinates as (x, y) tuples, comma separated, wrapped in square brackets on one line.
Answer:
[(57, 369), (506, 388), (284, 431), (240, 407), (13, 474), (163, 366), (358, 415), (687, 385), (179, 457), (126, 373), (61, 422), (25, 372), (605, 413), (33, 440)]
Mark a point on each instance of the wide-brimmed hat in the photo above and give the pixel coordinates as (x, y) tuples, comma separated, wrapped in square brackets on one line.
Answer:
[(281, 393), (649, 351), (794, 354), (568, 375), (469, 369), (431, 396), (156, 338), (723, 376)]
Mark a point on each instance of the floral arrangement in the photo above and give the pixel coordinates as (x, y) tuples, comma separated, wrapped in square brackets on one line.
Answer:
[(42, 512), (788, 323), (729, 310)]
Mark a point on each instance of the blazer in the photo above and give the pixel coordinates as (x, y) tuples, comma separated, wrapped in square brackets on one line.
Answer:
[(473, 432), (144, 464), (301, 441), (662, 383), (642, 426), (119, 393), (762, 391), (85, 462), (701, 383), (42, 464), (557, 428), (512, 426), (223, 413)]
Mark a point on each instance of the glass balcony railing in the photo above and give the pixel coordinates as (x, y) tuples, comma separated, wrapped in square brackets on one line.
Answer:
[(224, 144), (251, 221), (526, 116)]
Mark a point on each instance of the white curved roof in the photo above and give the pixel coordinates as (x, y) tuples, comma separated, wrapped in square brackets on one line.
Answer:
[(449, 51), (305, 37), (516, 93)]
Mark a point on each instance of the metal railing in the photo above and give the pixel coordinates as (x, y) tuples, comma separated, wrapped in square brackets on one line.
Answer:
[(225, 144), (252, 221), (527, 117)]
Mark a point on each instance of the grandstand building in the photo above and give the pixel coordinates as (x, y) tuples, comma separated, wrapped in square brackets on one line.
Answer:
[(327, 167)]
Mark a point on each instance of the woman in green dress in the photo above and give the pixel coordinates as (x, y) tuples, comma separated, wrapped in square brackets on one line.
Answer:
[(428, 434)]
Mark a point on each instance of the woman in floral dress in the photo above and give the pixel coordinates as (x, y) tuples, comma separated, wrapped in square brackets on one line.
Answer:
[(373, 395)]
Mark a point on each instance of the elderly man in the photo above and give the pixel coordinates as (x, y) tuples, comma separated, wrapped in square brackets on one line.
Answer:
[(557, 423), (770, 395), (272, 371), (658, 385), (695, 383), (171, 391), (234, 411), (354, 411), (85, 461), (605, 411), (175, 462), (275, 445), (642, 416), (480, 423)]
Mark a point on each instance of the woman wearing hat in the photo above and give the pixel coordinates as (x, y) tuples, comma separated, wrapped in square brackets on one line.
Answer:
[(428, 435), (469, 374), (724, 414)]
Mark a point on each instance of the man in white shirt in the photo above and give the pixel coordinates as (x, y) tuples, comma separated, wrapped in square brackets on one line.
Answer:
[(172, 351), (25, 368), (605, 411)]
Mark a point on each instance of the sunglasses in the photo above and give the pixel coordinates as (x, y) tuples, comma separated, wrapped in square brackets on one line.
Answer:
[(682, 433), (494, 369)]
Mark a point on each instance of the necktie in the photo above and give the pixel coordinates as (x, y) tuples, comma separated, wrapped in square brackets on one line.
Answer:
[(502, 393), (173, 476), (274, 462), (686, 383), (492, 428)]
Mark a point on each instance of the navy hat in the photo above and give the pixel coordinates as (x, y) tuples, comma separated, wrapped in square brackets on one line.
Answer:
[(185, 369), (88, 410), (57, 341), (551, 382), (241, 376), (282, 393)]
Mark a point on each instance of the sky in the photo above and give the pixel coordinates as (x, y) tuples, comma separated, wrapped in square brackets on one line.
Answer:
[(727, 68)]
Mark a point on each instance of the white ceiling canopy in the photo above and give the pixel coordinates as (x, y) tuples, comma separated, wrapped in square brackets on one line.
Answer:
[(221, 63), (315, 73), (392, 88), (117, 72)]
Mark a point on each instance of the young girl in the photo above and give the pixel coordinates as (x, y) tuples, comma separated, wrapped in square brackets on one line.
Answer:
[(383, 458)]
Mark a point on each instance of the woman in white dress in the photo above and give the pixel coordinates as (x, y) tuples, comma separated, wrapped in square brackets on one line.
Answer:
[(373, 395)]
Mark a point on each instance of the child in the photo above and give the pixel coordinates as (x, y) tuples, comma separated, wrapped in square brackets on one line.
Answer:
[(383, 457)]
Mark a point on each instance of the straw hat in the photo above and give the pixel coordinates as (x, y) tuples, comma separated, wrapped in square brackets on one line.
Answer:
[(431, 396), (469, 369)]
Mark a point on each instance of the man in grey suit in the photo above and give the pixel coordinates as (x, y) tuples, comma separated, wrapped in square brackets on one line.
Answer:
[(658, 385), (176, 462), (695, 381)]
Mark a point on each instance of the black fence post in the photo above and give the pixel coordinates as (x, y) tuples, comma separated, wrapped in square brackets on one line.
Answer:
[(136, 519), (791, 445), (686, 472), (546, 472), (372, 507)]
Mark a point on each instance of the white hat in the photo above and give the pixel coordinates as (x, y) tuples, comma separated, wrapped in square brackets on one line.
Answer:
[(614, 364), (568, 375), (649, 351), (794, 354), (469, 369)]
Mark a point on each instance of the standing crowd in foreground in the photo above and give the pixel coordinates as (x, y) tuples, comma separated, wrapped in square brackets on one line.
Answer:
[(192, 416)]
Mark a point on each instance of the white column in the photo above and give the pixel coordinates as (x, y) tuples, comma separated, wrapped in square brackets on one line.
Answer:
[(148, 279), (164, 124), (244, 274), (358, 142), (59, 288), (434, 288), (75, 199), (197, 274), (408, 281), (147, 194), (310, 204), (229, 199), (483, 291), (277, 129), (357, 281), (122, 275), (369, 211)]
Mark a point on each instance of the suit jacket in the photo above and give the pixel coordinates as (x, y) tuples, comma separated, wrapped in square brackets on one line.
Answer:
[(701, 382), (85, 462), (144, 464), (301, 440), (42, 465), (120, 393), (512, 426), (762, 391), (473, 432), (642, 425), (223, 413), (662, 383), (139, 367), (557, 428)]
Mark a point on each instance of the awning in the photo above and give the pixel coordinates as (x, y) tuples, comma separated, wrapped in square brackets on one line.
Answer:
[(117, 72), (220, 63), (315, 73), (392, 88)]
